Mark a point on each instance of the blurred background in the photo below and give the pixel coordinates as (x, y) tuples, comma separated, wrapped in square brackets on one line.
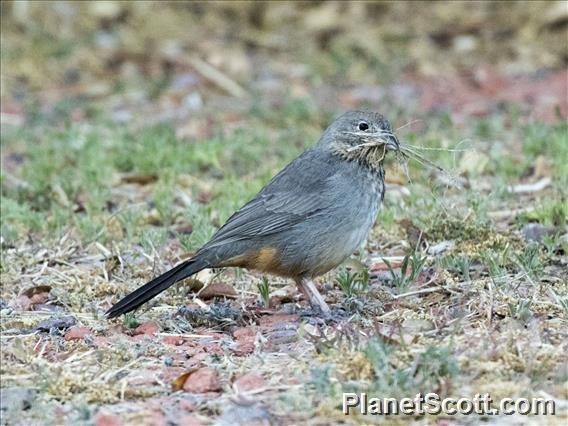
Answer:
[(152, 62)]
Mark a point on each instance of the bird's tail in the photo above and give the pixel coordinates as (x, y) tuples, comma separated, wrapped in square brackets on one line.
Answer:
[(156, 286)]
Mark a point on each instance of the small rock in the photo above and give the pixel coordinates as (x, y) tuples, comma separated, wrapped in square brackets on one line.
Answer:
[(16, 399), (276, 321), (245, 337), (189, 420), (203, 380), (48, 307), (39, 298), (465, 43), (312, 330), (55, 324), (535, 232), (279, 330), (117, 329), (473, 162), (440, 248), (276, 339), (248, 382), (245, 416), (417, 325), (102, 341), (107, 420), (22, 303), (77, 333), (148, 328), (274, 302), (173, 340), (32, 296), (187, 405), (193, 101)]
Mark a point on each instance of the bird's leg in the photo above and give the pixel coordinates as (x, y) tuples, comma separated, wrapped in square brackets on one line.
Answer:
[(307, 287)]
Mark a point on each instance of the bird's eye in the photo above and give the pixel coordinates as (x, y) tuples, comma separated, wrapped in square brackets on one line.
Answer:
[(363, 126)]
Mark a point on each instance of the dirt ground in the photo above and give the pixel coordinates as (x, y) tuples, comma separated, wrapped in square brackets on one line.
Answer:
[(131, 131)]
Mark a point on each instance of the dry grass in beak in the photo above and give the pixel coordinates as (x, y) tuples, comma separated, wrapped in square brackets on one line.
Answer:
[(372, 139), (408, 152), (366, 144)]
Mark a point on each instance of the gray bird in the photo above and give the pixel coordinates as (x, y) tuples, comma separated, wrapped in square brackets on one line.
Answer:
[(307, 220)]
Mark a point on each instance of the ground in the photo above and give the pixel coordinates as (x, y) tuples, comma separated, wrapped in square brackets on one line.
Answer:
[(126, 141)]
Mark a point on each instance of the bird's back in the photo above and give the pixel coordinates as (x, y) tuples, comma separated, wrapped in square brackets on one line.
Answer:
[(305, 222)]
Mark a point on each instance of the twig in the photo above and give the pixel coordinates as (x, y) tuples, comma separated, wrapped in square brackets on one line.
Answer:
[(415, 292), (530, 187), (189, 336), (217, 77), (490, 306), (504, 214)]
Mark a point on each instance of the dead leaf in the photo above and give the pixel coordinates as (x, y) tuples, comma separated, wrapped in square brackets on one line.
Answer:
[(32, 291), (218, 290), (179, 381), (541, 167), (31, 297), (204, 197), (139, 179), (201, 279), (414, 234), (184, 228)]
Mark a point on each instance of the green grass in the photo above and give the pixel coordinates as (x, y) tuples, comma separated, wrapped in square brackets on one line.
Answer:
[(79, 167), (263, 287), (412, 265), (353, 283), (430, 369)]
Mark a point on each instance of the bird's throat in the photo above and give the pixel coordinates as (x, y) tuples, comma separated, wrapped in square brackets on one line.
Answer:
[(368, 156)]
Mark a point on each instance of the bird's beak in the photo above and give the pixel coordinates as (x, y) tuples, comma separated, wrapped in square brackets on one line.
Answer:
[(381, 138), (392, 143), (386, 139)]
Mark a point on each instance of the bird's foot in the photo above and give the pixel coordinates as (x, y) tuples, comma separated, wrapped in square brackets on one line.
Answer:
[(308, 288), (317, 317)]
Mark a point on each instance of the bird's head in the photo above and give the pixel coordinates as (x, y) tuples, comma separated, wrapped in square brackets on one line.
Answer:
[(360, 135)]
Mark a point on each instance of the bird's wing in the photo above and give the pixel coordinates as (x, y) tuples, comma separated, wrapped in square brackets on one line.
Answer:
[(297, 192)]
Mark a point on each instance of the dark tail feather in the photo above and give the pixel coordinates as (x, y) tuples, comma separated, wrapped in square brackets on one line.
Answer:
[(156, 286)]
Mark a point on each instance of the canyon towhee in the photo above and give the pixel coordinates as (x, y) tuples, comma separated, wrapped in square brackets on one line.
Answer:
[(307, 220)]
